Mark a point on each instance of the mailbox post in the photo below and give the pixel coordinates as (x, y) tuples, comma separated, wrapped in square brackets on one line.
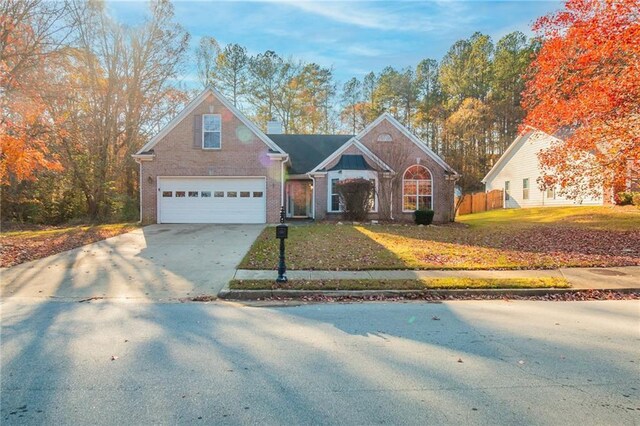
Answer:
[(282, 233)]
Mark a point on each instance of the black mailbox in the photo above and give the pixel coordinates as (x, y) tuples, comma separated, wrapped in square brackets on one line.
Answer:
[(282, 231)]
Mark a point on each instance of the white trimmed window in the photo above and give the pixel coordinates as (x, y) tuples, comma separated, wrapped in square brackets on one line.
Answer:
[(551, 193), (525, 189), (417, 189), (335, 197), (211, 131), (334, 204), (384, 137)]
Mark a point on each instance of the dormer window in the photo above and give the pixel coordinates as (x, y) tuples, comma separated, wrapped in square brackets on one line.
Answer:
[(385, 137), (211, 131)]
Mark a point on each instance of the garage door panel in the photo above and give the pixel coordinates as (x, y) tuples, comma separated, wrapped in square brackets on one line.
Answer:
[(212, 200)]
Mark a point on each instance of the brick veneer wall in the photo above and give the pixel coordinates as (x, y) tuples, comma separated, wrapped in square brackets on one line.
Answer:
[(443, 189), (320, 191), (242, 154)]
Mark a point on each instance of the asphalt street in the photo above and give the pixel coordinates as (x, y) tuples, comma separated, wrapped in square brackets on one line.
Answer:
[(462, 362)]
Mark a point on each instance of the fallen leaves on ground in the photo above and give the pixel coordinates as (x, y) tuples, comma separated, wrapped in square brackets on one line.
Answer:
[(574, 296), (22, 246), (460, 283), (547, 238)]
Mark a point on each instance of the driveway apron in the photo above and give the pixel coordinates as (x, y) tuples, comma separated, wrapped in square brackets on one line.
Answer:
[(154, 262)]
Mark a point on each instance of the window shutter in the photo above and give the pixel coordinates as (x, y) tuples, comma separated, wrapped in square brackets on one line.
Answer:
[(197, 131)]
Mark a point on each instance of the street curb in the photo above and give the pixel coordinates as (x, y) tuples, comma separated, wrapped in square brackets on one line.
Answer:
[(228, 294)]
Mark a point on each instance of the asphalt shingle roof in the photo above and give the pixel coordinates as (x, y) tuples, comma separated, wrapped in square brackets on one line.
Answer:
[(307, 151), (351, 162)]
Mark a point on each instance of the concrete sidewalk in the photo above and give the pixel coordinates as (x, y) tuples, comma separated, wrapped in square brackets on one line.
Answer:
[(627, 277)]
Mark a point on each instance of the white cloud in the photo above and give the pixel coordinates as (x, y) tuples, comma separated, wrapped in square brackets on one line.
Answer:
[(369, 16), (362, 50)]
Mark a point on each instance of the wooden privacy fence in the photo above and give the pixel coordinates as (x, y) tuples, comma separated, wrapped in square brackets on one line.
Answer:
[(480, 202)]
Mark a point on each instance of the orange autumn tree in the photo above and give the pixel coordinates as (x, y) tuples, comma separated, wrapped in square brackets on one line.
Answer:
[(585, 84), (26, 130)]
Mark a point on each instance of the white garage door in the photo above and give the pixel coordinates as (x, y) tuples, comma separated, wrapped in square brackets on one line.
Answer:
[(212, 200)]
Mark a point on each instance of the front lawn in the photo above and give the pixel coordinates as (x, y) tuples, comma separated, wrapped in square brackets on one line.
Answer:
[(25, 245), (539, 238), (422, 284)]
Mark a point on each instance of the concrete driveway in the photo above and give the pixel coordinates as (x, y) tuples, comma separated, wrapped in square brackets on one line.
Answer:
[(155, 262)]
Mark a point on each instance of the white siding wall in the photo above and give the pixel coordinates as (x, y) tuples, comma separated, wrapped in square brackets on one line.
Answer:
[(521, 163)]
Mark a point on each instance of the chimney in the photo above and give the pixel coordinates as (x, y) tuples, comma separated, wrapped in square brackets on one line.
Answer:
[(274, 127)]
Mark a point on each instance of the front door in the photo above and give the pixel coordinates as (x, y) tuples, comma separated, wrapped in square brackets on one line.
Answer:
[(299, 198)]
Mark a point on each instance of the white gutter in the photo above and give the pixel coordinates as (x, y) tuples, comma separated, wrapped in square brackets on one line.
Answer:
[(140, 187)]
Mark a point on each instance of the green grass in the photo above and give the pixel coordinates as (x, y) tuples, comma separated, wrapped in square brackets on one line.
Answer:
[(539, 238), (423, 284), (589, 217)]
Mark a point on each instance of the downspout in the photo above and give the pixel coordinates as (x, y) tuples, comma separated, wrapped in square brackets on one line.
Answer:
[(390, 182), (140, 188), (391, 201), (284, 160), (282, 183)]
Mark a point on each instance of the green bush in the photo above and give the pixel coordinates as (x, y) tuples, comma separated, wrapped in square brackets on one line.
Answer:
[(623, 198), (423, 217), (626, 198), (356, 196)]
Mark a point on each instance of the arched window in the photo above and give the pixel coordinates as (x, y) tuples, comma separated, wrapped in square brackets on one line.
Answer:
[(417, 189), (384, 137)]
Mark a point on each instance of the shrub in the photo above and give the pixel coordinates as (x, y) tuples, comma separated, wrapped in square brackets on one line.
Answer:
[(626, 198), (356, 196), (423, 217)]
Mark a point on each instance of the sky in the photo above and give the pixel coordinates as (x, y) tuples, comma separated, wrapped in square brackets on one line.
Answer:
[(354, 37)]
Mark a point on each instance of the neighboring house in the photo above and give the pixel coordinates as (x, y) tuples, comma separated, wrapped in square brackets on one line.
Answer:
[(211, 164), (518, 170), (632, 180)]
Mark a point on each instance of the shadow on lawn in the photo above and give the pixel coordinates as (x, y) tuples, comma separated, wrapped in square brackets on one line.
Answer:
[(532, 246)]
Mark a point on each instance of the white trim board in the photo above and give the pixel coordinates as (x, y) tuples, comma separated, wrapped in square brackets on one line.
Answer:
[(433, 199), (192, 106), (413, 138), (352, 142)]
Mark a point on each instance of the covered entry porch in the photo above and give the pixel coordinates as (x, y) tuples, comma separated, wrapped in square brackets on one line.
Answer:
[(299, 198)]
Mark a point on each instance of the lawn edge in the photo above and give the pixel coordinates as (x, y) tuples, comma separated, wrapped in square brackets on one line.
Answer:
[(229, 294)]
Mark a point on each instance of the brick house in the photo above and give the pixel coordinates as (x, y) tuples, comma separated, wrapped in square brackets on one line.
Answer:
[(211, 164)]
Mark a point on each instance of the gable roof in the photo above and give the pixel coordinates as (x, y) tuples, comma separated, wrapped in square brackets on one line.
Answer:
[(413, 138), (518, 142), (307, 151), (351, 162), (352, 142), (189, 109)]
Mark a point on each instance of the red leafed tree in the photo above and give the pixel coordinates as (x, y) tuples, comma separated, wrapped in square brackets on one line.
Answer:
[(585, 82)]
